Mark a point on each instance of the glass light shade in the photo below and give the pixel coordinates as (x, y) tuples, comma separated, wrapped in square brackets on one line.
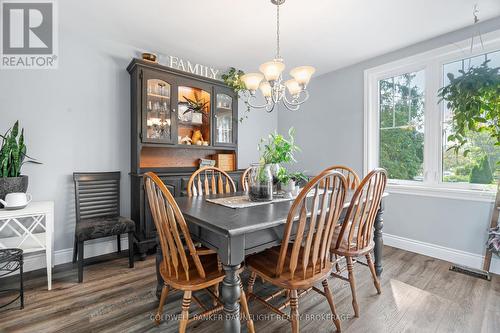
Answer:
[(265, 88), (293, 87), (252, 80), (302, 74), (272, 70)]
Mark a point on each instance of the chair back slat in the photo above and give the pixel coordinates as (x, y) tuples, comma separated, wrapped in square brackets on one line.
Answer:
[(215, 181), (351, 177), (97, 194), (315, 213), (173, 232), (320, 237), (356, 232), (244, 179), (310, 233)]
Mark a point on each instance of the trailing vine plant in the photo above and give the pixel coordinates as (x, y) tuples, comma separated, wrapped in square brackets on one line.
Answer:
[(232, 78)]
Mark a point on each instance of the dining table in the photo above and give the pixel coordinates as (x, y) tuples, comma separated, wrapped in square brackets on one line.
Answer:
[(238, 232)]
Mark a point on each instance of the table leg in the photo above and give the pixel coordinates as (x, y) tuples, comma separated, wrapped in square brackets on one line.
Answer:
[(379, 242), (231, 295)]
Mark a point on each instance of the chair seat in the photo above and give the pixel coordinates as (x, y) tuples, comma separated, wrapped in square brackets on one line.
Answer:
[(346, 250), (195, 282), (103, 227), (265, 263)]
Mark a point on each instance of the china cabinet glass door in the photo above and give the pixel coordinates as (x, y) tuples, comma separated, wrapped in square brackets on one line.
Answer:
[(224, 118), (158, 121), (194, 114)]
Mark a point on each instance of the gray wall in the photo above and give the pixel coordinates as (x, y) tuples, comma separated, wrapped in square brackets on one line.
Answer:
[(77, 118), (330, 131)]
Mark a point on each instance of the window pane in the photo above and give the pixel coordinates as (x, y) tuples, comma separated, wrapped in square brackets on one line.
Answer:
[(479, 164), (402, 126), (494, 59), (474, 62)]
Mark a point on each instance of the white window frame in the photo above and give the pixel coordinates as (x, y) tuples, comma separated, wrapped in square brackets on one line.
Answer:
[(432, 63)]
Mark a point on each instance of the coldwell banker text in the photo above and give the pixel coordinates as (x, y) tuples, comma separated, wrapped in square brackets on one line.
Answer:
[(29, 35)]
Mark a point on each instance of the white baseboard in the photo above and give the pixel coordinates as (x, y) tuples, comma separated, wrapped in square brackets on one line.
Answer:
[(105, 246), (440, 252), (92, 249)]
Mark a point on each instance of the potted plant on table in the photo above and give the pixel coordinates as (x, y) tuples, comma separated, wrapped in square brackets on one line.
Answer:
[(278, 150), (289, 180), (12, 157)]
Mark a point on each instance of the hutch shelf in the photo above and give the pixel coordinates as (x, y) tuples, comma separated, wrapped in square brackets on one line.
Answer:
[(170, 108)]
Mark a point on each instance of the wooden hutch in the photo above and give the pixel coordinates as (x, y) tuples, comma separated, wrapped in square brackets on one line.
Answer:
[(168, 107)]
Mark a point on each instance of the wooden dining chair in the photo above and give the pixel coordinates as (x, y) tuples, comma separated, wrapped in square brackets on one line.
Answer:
[(303, 259), (244, 179), (354, 237), (210, 180), (184, 267), (350, 175)]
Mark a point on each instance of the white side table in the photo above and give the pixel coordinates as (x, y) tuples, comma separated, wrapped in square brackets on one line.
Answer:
[(36, 234)]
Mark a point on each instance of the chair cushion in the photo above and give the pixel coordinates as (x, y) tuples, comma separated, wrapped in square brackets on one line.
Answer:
[(103, 227)]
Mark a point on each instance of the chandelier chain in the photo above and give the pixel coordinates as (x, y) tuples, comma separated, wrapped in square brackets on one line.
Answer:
[(278, 31)]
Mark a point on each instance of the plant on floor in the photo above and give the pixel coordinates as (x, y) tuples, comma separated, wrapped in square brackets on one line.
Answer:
[(13, 152), (232, 78)]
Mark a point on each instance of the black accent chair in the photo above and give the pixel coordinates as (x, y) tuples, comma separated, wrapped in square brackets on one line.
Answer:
[(97, 200)]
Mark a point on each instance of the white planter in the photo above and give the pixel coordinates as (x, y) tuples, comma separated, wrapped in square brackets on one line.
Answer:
[(288, 187), (197, 118)]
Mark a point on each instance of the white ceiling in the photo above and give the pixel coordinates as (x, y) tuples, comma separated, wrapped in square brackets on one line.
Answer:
[(328, 34)]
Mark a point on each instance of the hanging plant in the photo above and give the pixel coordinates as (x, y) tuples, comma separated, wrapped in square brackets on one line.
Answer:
[(474, 98), (232, 78)]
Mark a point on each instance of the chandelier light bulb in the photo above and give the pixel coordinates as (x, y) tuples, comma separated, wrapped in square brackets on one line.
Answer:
[(252, 80), (302, 74), (266, 89), (293, 87), (272, 70)]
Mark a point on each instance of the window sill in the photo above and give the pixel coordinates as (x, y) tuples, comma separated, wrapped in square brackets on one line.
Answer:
[(442, 192)]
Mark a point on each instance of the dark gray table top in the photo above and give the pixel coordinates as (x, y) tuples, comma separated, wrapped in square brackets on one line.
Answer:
[(235, 221)]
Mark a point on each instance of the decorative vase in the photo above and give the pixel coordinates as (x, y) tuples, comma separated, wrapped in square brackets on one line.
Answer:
[(197, 137), (260, 182), (12, 185)]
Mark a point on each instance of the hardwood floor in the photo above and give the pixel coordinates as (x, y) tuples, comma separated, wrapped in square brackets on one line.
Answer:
[(418, 294)]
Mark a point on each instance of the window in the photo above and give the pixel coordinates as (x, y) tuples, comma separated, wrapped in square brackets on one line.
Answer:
[(478, 166), (406, 128), (401, 113)]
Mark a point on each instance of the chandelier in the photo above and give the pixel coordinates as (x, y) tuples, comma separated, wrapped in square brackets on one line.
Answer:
[(291, 93)]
